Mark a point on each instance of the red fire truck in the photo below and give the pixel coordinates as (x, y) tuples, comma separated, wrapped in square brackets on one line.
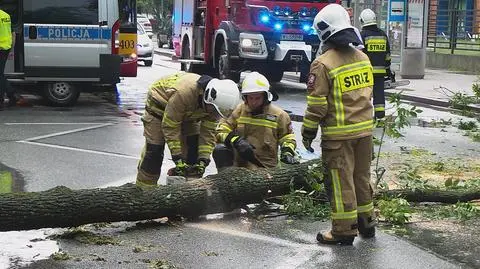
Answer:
[(226, 37)]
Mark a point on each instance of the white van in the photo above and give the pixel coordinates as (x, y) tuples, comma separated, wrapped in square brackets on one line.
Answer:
[(67, 46)]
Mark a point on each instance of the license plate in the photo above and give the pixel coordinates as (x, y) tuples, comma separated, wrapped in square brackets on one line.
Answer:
[(296, 37)]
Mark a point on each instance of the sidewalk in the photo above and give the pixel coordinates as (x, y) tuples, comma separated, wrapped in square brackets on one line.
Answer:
[(436, 88)]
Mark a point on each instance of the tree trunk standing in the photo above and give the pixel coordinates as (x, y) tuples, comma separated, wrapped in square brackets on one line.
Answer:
[(63, 207)]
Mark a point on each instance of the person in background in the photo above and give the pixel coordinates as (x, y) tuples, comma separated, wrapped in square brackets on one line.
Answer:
[(377, 48)]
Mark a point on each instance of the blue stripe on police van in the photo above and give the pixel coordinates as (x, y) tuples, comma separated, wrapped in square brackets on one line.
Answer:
[(69, 33)]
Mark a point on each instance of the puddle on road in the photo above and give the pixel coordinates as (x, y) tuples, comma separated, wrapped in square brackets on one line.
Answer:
[(20, 248)]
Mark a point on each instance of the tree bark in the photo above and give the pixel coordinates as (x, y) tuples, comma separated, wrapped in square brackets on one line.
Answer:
[(440, 196), (226, 191), (63, 207)]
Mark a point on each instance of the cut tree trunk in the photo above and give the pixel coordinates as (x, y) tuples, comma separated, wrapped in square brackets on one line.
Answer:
[(224, 192)]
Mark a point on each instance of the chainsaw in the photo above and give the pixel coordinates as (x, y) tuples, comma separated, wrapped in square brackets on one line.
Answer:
[(392, 83)]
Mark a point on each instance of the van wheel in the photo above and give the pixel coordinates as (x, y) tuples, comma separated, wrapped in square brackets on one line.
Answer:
[(61, 93), (148, 63)]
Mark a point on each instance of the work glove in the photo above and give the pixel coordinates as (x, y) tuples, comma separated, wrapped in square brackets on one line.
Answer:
[(307, 143), (180, 168), (199, 167), (244, 149), (288, 158)]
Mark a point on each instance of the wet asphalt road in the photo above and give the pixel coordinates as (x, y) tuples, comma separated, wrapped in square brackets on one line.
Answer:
[(97, 143)]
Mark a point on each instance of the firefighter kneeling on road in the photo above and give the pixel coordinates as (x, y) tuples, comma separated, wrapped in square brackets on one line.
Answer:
[(182, 110), (377, 48), (251, 136), (339, 94)]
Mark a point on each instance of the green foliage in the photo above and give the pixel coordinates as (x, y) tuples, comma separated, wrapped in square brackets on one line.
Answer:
[(396, 210), (60, 256), (456, 184), (400, 118), (408, 178), (459, 211), (462, 102), (308, 204), (161, 264), (469, 125), (439, 166)]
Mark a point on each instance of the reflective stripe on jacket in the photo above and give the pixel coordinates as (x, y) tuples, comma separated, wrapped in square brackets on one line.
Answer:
[(339, 92), (5, 31), (176, 99), (266, 131), (377, 48)]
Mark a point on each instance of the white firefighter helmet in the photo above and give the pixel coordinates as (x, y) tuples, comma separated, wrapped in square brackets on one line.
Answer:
[(368, 17), (224, 95), (330, 20), (255, 82)]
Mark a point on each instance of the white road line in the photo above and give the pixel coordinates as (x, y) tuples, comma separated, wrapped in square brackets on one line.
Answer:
[(66, 132), (50, 123), (79, 150), (302, 252)]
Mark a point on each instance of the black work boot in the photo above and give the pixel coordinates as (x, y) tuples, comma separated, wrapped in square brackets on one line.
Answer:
[(366, 227), (330, 239)]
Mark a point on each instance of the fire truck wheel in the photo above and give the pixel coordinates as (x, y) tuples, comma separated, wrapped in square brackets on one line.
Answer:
[(274, 75), (224, 66)]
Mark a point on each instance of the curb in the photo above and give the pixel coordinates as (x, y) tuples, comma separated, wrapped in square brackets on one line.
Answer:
[(430, 101), (166, 53)]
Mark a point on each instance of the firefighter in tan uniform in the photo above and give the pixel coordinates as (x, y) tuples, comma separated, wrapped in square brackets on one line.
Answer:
[(182, 111), (339, 93), (255, 131)]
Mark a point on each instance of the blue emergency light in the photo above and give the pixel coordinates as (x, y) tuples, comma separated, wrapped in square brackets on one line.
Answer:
[(264, 17), (306, 27), (278, 26)]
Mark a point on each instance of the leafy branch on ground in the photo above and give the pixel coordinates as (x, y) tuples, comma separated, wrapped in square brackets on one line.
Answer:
[(392, 126), (395, 210), (312, 203)]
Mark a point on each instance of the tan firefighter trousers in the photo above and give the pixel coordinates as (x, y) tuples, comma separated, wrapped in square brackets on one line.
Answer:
[(347, 181)]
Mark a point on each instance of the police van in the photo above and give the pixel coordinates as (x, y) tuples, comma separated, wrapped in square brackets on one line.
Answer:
[(68, 46)]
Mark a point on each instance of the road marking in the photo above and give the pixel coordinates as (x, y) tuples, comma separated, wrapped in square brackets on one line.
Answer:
[(6, 182), (49, 123), (66, 132), (111, 154)]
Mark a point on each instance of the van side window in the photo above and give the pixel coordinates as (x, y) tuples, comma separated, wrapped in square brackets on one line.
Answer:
[(61, 11)]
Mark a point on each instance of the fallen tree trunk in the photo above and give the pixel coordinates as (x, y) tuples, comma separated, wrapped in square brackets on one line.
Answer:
[(226, 191), (439, 196)]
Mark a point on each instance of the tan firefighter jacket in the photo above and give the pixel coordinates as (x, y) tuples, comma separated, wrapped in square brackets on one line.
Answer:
[(176, 99), (266, 132), (339, 91)]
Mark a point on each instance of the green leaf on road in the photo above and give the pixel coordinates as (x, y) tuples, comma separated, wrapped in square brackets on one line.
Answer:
[(6, 182)]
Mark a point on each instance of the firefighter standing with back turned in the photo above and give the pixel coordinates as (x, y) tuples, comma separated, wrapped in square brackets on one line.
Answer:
[(255, 131), (182, 111), (377, 48), (339, 94)]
